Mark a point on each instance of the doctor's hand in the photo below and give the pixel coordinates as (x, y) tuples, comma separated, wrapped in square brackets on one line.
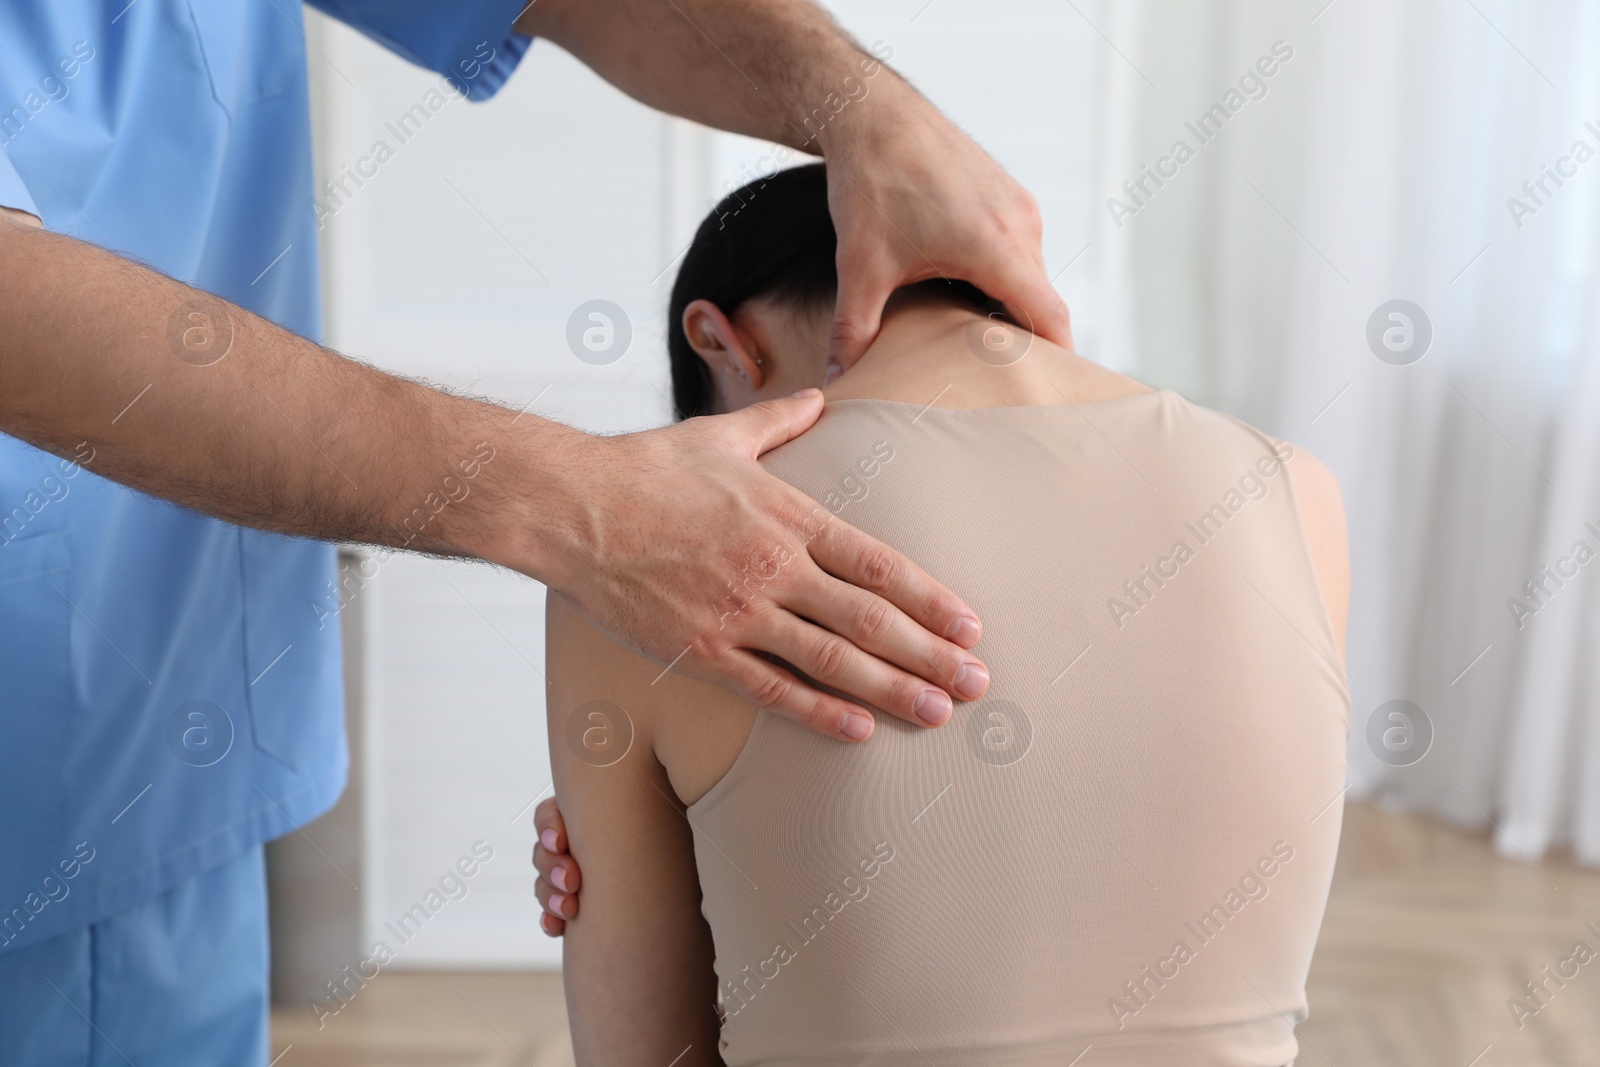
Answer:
[(681, 547), (913, 198)]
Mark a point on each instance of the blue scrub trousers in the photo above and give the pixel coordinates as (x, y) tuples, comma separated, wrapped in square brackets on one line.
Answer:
[(179, 980)]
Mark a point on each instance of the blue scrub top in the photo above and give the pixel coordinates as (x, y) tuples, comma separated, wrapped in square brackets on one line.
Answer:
[(170, 690)]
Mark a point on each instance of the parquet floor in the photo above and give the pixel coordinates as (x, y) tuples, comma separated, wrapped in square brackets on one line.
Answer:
[(1428, 935)]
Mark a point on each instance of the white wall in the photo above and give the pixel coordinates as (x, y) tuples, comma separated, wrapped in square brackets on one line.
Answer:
[(461, 260)]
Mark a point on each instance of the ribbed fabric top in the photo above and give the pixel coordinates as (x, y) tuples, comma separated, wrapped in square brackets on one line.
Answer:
[(1126, 846)]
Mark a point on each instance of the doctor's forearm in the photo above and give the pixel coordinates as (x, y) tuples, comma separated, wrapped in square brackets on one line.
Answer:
[(781, 70), (186, 397)]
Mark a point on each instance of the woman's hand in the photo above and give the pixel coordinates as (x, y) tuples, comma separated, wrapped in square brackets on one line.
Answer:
[(559, 879)]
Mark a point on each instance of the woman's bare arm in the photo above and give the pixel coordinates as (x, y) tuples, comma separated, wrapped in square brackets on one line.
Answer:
[(638, 960), (1322, 513)]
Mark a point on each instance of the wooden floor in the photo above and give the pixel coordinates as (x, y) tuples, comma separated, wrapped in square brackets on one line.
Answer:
[(1428, 934)]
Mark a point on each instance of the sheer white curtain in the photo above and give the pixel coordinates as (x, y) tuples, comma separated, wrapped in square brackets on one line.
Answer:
[(1386, 161)]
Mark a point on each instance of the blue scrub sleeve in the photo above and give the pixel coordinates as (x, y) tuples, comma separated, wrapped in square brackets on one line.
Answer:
[(12, 192), (468, 41)]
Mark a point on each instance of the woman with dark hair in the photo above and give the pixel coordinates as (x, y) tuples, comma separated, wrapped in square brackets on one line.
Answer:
[(1119, 856), (779, 251)]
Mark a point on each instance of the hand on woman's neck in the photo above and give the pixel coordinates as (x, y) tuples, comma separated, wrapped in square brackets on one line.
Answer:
[(933, 350)]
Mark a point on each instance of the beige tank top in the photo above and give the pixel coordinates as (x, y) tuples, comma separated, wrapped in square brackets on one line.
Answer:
[(1121, 855)]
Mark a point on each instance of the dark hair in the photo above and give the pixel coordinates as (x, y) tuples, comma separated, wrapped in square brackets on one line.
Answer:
[(772, 238)]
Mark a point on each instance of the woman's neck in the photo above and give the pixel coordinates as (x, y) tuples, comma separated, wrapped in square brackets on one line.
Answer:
[(951, 355)]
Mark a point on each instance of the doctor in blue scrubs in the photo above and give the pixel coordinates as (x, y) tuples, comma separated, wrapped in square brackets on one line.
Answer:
[(177, 443)]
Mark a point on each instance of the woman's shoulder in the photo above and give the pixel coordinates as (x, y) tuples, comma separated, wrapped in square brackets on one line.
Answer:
[(695, 729), (1317, 500), (1316, 489)]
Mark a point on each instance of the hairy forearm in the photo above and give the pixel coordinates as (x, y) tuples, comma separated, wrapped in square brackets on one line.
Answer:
[(186, 397), (756, 69)]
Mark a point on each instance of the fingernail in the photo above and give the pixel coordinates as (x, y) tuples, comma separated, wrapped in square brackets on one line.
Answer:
[(806, 394), (971, 680), (857, 726), (932, 706), (831, 375), (547, 924), (548, 840), (558, 878), (556, 901), (964, 631)]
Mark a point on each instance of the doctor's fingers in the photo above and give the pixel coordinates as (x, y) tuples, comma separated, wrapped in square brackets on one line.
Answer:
[(895, 654), (834, 617)]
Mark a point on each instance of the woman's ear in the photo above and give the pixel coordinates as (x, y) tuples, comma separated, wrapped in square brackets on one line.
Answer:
[(717, 341)]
